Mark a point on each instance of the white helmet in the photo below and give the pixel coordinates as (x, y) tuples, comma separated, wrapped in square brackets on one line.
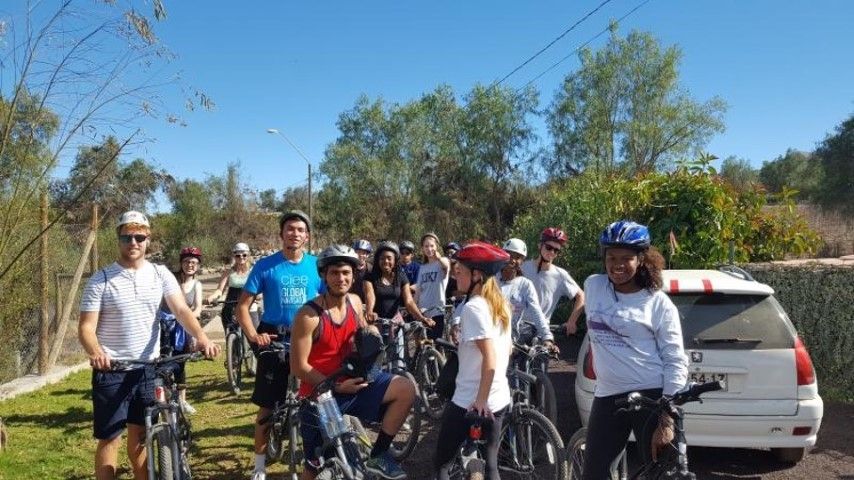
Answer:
[(516, 245), (240, 247), (132, 216)]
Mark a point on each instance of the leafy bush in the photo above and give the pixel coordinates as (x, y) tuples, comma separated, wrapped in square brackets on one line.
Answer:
[(818, 300)]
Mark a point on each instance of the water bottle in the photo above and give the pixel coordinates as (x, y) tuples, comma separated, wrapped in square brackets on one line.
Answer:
[(331, 419)]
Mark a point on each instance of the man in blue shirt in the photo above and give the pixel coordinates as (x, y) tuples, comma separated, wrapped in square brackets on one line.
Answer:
[(286, 279)]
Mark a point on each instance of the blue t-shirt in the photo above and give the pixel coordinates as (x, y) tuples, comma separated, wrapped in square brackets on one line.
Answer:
[(411, 271), (286, 286)]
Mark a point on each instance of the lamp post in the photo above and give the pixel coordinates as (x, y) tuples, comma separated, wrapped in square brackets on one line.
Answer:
[(275, 131)]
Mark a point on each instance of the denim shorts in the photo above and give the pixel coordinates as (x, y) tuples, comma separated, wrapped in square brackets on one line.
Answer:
[(367, 405), (119, 398)]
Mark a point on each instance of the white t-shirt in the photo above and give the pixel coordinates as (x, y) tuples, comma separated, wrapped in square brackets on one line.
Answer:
[(522, 295), (476, 323), (127, 302), (636, 339), (551, 285)]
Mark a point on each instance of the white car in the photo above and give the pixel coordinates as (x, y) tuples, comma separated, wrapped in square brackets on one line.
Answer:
[(735, 331)]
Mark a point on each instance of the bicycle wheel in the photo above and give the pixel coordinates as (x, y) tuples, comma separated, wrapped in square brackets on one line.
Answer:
[(249, 360), (530, 447), (543, 396), (275, 436), (407, 437), (295, 449), (430, 363), (163, 442), (574, 455), (476, 469), (232, 361)]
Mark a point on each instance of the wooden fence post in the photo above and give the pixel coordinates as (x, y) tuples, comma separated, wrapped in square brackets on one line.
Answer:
[(44, 322), (93, 265)]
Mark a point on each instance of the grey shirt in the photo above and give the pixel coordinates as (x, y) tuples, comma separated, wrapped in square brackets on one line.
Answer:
[(432, 281)]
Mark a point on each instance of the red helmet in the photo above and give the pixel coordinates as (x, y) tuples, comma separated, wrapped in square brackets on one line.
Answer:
[(195, 252), (553, 234), (482, 256)]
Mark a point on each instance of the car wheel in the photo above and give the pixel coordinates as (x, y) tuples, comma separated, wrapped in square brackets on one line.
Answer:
[(789, 455)]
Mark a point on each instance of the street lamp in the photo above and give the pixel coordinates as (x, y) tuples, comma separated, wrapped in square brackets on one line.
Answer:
[(275, 131)]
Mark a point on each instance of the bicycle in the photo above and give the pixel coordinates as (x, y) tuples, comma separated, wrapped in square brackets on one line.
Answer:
[(238, 353), (674, 464), (534, 360), (531, 446), (393, 361), (425, 362), (284, 420), (469, 463), (168, 437)]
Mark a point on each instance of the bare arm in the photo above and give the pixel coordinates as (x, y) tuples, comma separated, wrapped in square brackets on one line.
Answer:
[(86, 328), (197, 310), (223, 280), (245, 320), (487, 374), (370, 301), (302, 333), (577, 309), (178, 305)]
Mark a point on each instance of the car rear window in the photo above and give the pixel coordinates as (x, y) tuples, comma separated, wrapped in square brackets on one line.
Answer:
[(723, 321)]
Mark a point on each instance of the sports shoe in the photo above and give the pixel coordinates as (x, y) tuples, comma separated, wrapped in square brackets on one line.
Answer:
[(385, 466), (259, 476), (188, 409)]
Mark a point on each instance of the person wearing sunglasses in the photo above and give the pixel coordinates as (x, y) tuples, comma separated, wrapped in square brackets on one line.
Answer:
[(552, 282), (118, 320), (231, 284)]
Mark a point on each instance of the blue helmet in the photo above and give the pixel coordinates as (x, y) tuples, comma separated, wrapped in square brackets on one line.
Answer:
[(625, 234), (362, 244)]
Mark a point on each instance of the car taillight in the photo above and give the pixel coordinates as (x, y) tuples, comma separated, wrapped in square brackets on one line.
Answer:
[(801, 431), (803, 364), (588, 366), (475, 432), (160, 394)]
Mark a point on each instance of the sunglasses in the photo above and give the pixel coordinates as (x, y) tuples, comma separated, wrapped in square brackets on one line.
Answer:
[(240, 255), (138, 237), (550, 248)]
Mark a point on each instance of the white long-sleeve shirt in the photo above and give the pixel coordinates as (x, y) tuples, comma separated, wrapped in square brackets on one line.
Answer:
[(522, 295), (636, 339)]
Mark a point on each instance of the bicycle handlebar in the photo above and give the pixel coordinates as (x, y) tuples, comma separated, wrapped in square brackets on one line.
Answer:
[(123, 363), (636, 400)]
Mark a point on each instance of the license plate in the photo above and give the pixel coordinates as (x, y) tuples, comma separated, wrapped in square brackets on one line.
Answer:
[(703, 377)]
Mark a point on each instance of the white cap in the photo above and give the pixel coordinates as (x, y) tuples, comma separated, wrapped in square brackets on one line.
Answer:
[(516, 245), (239, 247), (132, 216)]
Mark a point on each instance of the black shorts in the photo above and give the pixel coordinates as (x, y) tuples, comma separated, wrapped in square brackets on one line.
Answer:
[(119, 398), (271, 377)]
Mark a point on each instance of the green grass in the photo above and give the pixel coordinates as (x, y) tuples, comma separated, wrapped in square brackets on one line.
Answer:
[(50, 431)]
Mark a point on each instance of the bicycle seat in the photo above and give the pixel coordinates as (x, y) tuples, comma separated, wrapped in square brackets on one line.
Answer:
[(445, 343)]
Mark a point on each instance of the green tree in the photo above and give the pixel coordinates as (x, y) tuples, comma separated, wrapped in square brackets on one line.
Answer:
[(797, 170), (836, 155), (624, 108), (739, 174)]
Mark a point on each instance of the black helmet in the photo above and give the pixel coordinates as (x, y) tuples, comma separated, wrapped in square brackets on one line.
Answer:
[(335, 254), (295, 214), (407, 245)]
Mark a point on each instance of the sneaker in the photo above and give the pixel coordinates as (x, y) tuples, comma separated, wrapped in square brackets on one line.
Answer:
[(385, 466), (188, 409), (259, 476)]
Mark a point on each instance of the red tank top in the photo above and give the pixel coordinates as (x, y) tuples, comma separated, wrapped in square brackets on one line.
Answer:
[(332, 345)]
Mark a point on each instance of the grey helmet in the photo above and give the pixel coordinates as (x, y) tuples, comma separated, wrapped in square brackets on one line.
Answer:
[(295, 214), (407, 245), (386, 245), (335, 254)]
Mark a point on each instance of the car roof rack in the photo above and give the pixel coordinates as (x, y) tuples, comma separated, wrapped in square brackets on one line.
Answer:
[(736, 271)]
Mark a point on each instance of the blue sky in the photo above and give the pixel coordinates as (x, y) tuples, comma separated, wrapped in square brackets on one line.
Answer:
[(786, 69)]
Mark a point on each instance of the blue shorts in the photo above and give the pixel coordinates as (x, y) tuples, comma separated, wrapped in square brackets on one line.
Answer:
[(367, 406), (119, 398)]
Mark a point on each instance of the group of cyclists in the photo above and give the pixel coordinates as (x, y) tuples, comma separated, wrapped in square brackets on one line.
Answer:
[(324, 305)]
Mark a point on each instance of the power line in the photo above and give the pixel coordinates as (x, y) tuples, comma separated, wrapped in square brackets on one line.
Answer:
[(574, 52), (577, 23)]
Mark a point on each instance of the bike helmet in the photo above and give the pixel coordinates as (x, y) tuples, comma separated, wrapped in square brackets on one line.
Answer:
[(515, 245), (133, 216), (429, 235), (362, 244), (482, 256), (625, 234), (453, 246), (335, 254), (407, 245), (387, 245), (240, 247), (194, 252), (295, 214), (553, 234)]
